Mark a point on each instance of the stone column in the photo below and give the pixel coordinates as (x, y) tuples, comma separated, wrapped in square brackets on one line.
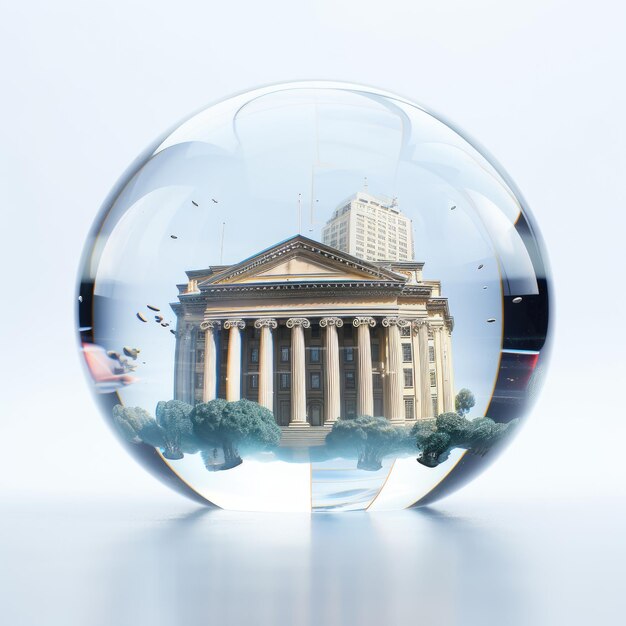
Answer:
[(298, 371), (417, 369), (365, 396), (185, 365), (395, 372), (233, 364), (332, 379), (437, 337), (209, 389), (266, 362), (421, 326), (448, 374), (179, 357)]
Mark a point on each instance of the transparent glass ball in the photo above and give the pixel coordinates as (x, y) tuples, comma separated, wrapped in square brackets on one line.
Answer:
[(314, 296)]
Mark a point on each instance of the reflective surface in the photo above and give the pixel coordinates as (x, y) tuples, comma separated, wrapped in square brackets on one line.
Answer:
[(314, 296), (537, 563)]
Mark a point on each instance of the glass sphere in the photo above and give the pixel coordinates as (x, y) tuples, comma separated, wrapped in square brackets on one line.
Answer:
[(314, 296)]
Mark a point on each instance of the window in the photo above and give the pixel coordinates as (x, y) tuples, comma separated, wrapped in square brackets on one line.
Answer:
[(254, 381), (314, 354), (431, 354), (315, 380), (284, 354), (434, 405), (408, 377), (285, 380), (199, 380), (409, 408), (315, 332), (350, 408), (405, 331), (406, 353), (433, 380), (348, 355), (254, 354), (376, 351), (377, 382), (350, 379)]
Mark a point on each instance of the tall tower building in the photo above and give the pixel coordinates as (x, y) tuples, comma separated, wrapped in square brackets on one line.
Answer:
[(370, 228)]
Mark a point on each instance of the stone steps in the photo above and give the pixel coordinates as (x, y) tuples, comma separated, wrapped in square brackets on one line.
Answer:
[(299, 437)]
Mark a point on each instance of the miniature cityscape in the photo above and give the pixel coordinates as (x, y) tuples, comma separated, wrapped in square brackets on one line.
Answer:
[(340, 347)]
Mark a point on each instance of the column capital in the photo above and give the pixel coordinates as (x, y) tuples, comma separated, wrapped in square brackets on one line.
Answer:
[(364, 321), (418, 323), (331, 321), (298, 321), (238, 323), (395, 321), (210, 325), (268, 322)]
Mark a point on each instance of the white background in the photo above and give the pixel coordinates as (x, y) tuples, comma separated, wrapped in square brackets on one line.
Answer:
[(86, 86)]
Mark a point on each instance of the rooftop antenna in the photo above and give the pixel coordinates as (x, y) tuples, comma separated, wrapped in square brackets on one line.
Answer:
[(222, 244), (365, 183)]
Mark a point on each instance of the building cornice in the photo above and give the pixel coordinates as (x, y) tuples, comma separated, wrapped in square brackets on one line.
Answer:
[(363, 287), (300, 243)]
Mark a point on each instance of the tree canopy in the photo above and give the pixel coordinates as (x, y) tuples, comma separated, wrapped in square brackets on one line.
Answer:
[(173, 417), (435, 446), (366, 437), (477, 436), (464, 401), (455, 426), (234, 426), (137, 425)]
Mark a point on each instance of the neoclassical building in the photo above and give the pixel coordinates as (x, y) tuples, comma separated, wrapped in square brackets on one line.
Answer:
[(315, 334)]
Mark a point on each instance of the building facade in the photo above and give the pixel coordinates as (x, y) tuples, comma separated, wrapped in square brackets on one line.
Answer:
[(314, 334), (370, 228)]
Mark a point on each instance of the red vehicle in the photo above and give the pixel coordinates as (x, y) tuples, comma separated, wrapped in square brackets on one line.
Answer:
[(107, 373)]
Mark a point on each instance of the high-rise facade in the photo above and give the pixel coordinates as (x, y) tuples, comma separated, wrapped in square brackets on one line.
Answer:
[(370, 228)]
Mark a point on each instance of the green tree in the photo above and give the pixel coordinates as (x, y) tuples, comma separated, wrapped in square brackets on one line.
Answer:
[(464, 401), (206, 418), (486, 433), (477, 436), (137, 425), (234, 426), (368, 438), (247, 426), (420, 431), (435, 449), (455, 426), (174, 418)]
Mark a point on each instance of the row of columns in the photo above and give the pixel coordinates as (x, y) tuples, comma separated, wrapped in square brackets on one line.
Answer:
[(394, 390)]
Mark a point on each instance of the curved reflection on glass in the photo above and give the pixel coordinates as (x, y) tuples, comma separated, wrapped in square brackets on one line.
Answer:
[(314, 296)]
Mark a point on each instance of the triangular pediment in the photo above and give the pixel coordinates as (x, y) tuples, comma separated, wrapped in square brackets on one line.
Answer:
[(302, 260)]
